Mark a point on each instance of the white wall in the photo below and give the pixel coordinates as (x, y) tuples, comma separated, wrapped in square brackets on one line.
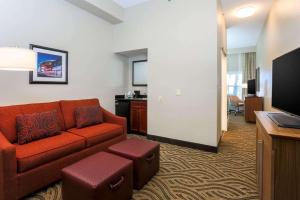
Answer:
[(279, 36), (94, 71), (182, 46), (234, 62)]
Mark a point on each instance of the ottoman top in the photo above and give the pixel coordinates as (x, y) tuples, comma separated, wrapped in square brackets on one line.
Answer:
[(95, 169), (133, 147)]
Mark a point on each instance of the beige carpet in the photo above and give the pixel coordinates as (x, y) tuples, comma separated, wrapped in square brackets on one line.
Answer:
[(189, 174)]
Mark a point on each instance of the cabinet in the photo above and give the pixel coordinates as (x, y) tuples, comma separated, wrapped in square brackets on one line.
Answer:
[(138, 117), (252, 103), (277, 160)]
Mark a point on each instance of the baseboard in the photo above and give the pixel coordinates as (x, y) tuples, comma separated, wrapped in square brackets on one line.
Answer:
[(183, 143), (137, 133)]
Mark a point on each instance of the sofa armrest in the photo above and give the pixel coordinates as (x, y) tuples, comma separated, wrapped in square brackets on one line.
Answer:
[(114, 119), (8, 169)]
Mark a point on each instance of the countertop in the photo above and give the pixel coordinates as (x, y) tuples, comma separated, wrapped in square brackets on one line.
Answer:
[(122, 98), (131, 99)]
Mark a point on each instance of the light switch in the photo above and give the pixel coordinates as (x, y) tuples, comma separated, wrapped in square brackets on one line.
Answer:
[(178, 92)]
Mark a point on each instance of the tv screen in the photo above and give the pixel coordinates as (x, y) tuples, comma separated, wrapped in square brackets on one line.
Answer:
[(252, 87), (286, 83)]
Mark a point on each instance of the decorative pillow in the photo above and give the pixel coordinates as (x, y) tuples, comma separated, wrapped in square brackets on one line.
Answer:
[(88, 115), (36, 126)]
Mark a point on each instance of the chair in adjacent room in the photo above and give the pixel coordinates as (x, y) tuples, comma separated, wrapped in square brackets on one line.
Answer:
[(236, 105)]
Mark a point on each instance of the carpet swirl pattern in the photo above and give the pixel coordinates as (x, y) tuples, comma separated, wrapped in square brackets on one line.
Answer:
[(189, 174)]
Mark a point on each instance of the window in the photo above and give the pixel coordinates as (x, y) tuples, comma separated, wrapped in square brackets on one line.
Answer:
[(235, 75), (234, 83)]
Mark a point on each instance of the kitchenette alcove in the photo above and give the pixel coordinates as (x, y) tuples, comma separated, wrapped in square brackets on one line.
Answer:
[(133, 103)]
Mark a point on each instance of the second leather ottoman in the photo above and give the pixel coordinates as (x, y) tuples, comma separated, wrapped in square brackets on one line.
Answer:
[(145, 157), (102, 176)]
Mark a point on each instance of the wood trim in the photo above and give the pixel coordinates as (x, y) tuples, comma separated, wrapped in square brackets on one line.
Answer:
[(184, 143), (259, 166), (272, 174)]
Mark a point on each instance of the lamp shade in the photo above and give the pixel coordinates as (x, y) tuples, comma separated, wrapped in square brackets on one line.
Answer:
[(245, 85), (17, 59)]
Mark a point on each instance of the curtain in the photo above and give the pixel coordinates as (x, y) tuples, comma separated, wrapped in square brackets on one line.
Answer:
[(248, 68)]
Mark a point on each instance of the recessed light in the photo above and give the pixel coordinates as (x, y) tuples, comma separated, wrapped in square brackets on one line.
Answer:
[(245, 12)]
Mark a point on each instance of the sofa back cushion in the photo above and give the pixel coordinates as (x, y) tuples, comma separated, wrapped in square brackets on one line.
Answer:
[(8, 115), (31, 127), (68, 108), (88, 115)]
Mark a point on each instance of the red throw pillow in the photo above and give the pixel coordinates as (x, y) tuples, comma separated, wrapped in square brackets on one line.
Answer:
[(36, 126), (88, 115)]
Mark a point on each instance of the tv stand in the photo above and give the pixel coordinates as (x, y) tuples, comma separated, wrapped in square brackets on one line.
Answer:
[(285, 120), (277, 160)]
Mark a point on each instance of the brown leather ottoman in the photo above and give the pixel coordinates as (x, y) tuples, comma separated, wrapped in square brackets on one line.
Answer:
[(145, 157), (100, 176)]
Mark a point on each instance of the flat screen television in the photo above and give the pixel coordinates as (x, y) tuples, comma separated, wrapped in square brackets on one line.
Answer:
[(286, 89), (252, 87)]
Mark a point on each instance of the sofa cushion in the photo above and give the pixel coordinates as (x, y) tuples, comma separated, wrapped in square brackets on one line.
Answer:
[(88, 115), (98, 133), (36, 126), (46, 150), (68, 108), (8, 116)]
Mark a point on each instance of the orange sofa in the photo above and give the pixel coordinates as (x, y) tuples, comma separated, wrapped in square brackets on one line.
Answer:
[(27, 168)]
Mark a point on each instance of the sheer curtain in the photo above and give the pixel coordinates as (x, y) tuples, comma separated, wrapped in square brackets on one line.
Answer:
[(249, 66)]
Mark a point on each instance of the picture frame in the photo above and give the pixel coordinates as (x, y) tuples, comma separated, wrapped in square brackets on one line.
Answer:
[(52, 66), (139, 73)]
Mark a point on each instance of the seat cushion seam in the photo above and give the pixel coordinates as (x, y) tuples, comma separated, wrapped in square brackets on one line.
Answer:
[(51, 149), (88, 137)]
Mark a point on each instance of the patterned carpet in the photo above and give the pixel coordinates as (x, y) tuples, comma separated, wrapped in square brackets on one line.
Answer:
[(188, 174)]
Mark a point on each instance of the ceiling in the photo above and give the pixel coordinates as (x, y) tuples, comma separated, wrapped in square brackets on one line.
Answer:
[(241, 32), (244, 32), (129, 3)]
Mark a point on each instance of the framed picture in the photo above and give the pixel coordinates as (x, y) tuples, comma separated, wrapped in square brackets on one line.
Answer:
[(52, 66)]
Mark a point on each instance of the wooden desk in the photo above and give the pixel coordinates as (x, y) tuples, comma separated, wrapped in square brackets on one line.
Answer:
[(277, 160), (253, 103)]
